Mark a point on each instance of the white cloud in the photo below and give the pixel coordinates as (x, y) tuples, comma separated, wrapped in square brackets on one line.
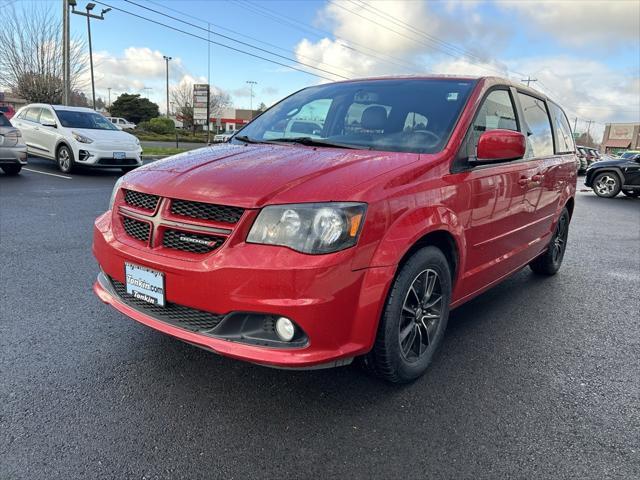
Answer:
[(580, 22)]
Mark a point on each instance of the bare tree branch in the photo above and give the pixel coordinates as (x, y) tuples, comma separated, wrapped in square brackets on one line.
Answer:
[(31, 54)]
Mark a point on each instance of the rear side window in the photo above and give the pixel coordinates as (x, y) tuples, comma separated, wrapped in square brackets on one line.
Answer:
[(3, 121), (47, 117), (563, 138), (536, 126), (32, 114)]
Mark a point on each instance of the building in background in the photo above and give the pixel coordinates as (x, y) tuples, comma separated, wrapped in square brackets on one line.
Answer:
[(232, 119), (619, 137), (9, 103)]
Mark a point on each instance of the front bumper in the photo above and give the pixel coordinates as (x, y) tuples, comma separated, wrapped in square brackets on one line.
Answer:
[(336, 307), (15, 155), (94, 157)]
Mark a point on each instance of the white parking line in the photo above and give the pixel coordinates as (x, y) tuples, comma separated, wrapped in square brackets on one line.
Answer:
[(47, 173)]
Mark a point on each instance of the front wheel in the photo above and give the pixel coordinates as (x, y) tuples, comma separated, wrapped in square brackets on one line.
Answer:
[(11, 169), (65, 159), (607, 184), (632, 193), (550, 261), (414, 319)]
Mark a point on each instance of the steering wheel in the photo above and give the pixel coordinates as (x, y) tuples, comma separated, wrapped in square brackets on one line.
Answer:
[(428, 133)]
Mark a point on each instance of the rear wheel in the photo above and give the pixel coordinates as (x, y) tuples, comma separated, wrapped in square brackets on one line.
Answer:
[(11, 169), (65, 159), (607, 184), (632, 193), (550, 261), (414, 319)]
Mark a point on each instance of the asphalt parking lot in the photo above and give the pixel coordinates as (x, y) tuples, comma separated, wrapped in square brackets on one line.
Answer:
[(538, 378)]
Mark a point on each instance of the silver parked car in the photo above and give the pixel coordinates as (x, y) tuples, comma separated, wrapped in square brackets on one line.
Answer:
[(13, 153)]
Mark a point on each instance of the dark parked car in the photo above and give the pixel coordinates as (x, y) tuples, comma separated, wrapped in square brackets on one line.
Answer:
[(583, 163), (609, 177)]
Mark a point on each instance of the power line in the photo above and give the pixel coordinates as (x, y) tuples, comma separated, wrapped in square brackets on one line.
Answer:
[(244, 35), (319, 33), (229, 47), (226, 37)]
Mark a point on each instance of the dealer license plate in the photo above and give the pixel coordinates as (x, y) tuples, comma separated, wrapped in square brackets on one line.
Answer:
[(145, 284), (119, 155)]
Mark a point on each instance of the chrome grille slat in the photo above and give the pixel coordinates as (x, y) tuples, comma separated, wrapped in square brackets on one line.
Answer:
[(206, 211)]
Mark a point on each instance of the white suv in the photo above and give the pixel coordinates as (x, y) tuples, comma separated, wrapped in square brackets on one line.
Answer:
[(76, 136)]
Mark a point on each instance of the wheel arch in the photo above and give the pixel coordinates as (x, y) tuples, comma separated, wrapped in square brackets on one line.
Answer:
[(60, 143)]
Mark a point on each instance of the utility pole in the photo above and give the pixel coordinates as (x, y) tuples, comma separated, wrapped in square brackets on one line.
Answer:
[(529, 80), (166, 61), (109, 108), (251, 84), (575, 124), (589, 122), (66, 69), (89, 15), (208, 83)]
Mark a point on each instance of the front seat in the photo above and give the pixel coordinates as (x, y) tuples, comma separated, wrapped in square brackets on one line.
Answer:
[(374, 118)]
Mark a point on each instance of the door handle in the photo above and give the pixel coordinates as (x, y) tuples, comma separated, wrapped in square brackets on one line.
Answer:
[(537, 178), (523, 181)]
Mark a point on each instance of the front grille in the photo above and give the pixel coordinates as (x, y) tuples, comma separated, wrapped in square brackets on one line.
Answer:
[(178, 315), (199, 243), (206, 211), (136, 228), (141, 200)]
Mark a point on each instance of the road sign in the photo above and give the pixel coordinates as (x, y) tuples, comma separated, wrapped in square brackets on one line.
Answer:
[(200, 103)]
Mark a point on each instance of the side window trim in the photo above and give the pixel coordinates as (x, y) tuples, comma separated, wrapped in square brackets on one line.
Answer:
[(554, 126), (521, 115)]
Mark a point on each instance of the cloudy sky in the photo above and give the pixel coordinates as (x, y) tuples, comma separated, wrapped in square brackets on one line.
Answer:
[(583, 53)]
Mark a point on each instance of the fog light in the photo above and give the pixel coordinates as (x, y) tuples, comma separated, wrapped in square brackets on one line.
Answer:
[(285, 329)]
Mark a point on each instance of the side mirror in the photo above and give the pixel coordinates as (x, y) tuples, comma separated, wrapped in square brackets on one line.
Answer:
[(52, 125), (500, 146)]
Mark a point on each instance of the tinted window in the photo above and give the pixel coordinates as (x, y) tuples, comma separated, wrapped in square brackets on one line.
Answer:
[(369, 114), (536, 126), (46, 116), (3, 121), (79, 119), (563, 138), (32, 114), (497, 111)]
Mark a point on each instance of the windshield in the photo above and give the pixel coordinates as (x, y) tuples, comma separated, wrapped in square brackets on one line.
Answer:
[(89, 120), (401, 115)]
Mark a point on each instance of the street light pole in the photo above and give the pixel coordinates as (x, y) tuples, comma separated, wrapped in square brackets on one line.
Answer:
[(251, 84), (166, 61), (65, 51), (89, 15), (109, 104)]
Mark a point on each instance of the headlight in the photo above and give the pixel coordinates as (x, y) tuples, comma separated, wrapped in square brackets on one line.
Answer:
[(137, 140), (81, 138), (309, 227), (116, 187)]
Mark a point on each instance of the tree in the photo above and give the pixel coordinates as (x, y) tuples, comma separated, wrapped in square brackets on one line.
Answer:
[(586, 140), (31, 54), (78, 99), (182, 97), (262, 107), (134, 108), (100, 104)]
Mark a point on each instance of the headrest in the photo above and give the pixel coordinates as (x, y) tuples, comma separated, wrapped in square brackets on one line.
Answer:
[(374, 118)]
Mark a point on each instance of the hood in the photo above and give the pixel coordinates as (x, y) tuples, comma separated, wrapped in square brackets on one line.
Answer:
[(612, 162), (104, 135), (255, 175)]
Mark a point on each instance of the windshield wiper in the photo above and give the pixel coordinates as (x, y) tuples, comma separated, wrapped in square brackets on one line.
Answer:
[(316, 142), (245, 139)]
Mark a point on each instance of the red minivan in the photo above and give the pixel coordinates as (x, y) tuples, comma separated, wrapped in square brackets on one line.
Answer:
[(352, 239)]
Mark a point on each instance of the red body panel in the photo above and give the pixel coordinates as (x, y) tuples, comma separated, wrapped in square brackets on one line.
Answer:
[(499, 217)]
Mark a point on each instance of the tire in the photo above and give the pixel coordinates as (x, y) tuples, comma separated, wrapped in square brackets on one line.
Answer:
[(64, 158), (607, 184), (632, 193), (128, 169), (550, 261), (11, 169), (413, 321)]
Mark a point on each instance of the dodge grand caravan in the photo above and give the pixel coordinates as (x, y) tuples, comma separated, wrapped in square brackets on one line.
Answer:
[(412, 196)]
